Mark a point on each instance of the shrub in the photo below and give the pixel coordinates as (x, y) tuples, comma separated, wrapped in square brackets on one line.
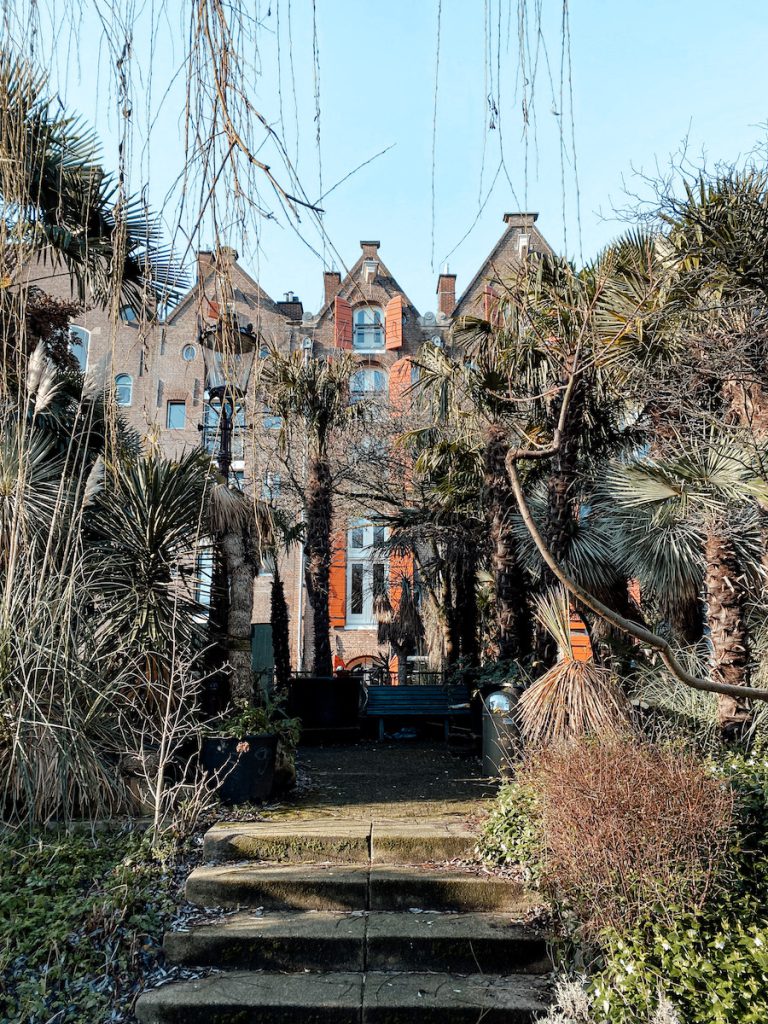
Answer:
[(629, 829), (712, 961), (512, 832)]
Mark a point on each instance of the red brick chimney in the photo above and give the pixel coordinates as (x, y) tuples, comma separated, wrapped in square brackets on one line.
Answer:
[(370, 250), (446, 293), (331, 283)]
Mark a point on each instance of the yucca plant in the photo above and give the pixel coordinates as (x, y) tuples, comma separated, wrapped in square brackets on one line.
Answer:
[(574, 697)]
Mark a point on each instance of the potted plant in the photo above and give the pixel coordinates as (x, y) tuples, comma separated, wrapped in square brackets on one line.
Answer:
[(242, 750)]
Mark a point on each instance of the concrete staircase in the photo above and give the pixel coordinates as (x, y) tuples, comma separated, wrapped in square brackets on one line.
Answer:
[(345, 921)]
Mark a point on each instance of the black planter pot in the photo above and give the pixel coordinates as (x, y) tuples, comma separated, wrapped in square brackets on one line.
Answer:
[(248, 776), (325, 702)]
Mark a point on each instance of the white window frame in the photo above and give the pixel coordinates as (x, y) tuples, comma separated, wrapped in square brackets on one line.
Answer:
[(124, 380), (363, 328), (367, 557), (84, 337), (204, 567), (367, 375)]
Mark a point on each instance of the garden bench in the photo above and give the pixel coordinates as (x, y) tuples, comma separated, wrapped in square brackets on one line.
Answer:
[(436, 702)]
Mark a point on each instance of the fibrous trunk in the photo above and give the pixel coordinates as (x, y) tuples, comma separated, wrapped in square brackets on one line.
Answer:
[(280, 636), (513, 620), (318, 560), (725, 599), (466, 604), (241, 571)]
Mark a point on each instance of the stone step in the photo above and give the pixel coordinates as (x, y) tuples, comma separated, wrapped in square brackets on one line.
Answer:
[(314, 940), (379, 941), (351, 842), (321, 887), (404, 888), (291, 887), (455, 943), (343, 998), (300, 841)]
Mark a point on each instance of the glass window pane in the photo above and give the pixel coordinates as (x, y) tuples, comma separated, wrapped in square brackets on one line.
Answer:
[(123, 389), (176, 415), (204, 574), (356, 540), (79, 341), (356, 589), (379, 534)]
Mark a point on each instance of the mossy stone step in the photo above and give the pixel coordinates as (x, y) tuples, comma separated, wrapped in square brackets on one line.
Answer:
[(377, 940), (241, 997), (323, 887), (382, 841), (288, 887)]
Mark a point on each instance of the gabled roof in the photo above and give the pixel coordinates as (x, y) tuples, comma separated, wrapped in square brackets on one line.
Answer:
[(517, 223), (353, 291), (263, 301)]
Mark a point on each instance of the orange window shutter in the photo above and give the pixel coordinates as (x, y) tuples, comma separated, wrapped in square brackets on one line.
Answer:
[(400, 566), (337, 593), (212, 311), (342, 328), (580, 642), (393, 323), (399, 383)]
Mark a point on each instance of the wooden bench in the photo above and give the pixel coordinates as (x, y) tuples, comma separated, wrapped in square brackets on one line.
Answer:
[(437, 702)]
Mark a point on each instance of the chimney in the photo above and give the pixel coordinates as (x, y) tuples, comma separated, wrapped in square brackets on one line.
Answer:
[(446, 293), (370, 250), (291, 306), (331, 283), (205, 263), (520, 220), (226, 255)]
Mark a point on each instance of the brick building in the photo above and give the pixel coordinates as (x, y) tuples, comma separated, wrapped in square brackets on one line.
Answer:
[(159, 376)]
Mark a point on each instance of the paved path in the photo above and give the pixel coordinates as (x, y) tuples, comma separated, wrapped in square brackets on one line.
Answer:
[(391, 780)]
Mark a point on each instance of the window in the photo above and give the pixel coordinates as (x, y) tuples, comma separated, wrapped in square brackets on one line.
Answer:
[(129, 315), (188, 353), (367, 383), (176, 415), (123, 389), (368, 333), (79, 343), (204, 576), (366, 572)]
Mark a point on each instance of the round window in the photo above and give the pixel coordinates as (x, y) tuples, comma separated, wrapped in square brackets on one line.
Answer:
[(188, 353)]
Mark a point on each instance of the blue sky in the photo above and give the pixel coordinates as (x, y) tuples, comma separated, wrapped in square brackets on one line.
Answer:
[(646, 74)]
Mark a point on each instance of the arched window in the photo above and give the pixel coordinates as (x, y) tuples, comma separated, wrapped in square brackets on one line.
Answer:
[(79, 343), (368, 334), (123, 389), (368, 382)]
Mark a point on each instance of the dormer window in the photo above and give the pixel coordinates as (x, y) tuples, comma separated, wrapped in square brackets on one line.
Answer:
[(368, 335)]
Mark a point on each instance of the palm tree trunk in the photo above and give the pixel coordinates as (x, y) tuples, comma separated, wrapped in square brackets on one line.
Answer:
[(513, 619), (466, 604), (280, 635), (318, 561), (727, 626), (241, 573)]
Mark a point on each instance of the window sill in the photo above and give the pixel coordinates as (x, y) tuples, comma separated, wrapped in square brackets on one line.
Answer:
[(359, 626)]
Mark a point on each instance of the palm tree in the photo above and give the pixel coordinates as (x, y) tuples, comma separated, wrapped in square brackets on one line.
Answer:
[(690, 524), (312, 398), (61, 205)]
